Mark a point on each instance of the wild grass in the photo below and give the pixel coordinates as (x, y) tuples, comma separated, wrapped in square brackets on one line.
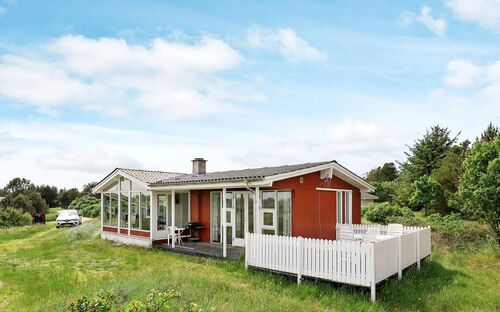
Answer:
[(42, 269)]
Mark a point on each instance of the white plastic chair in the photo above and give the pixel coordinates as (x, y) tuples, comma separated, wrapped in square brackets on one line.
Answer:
[(395, 229), (346, 233), (373, 230), (370, 238), (174, 233)]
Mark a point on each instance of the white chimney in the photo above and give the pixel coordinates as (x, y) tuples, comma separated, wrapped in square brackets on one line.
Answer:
[(199, 166)]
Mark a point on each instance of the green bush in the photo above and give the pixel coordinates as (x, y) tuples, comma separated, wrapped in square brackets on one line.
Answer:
[(88, 206), (14, 217), (385, 213), (108, 301), (452, 232)]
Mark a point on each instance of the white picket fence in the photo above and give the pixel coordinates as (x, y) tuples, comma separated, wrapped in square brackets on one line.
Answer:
[(349, 262)]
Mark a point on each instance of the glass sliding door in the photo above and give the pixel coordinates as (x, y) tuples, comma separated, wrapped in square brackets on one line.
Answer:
[(215, 210)]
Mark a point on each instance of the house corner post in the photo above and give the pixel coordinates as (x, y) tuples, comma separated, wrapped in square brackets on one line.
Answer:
[(224, 224), (400, 254), (172, 221), (418, 248), (102, 211), (373, 284), (300, 251)]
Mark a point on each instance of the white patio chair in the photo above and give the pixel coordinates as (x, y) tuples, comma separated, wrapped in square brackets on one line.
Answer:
[(174, 233), (395, 229), (373, 230), (370, 238), (346, 233)]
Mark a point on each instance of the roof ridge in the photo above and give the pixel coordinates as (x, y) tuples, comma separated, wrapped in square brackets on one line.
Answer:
[(159, 171)]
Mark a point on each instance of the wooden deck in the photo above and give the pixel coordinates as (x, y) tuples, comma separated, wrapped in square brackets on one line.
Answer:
[(205, 250)]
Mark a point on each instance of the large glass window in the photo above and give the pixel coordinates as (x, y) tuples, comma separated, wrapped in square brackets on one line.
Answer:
[(339, 207), (215, 208), (145, 212), (285, 213), (124, 210), (348, 209), (162, 212), (181, 209), (134, 211), (277, 212), (114, 209), (106, 209)]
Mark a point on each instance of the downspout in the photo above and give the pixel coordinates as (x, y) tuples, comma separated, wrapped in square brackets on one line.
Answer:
[(247, 187)]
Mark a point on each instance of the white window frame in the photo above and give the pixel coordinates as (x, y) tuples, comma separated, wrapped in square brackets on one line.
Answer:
[(343, 207), (274, 227)]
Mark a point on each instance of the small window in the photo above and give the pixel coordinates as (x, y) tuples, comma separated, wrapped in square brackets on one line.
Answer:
[(267, 231), (268, 218), (269, 200)]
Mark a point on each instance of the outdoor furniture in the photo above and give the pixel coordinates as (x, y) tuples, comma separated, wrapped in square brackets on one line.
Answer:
[(395, 229), (174, 233), (373, 230), (346, 233)]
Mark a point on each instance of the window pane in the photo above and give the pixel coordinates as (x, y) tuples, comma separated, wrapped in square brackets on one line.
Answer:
[(229, 235), (124, 210), (106, 204), (161, 223), (339, 207), (285, 213), (181, 209), (114, 209), (134, 211), (269, 232), (229, 200), (145, 212), (215, 209), (268, 200), (347, 207), (268, 218), (250, 213), (239, 218), (228, 216)]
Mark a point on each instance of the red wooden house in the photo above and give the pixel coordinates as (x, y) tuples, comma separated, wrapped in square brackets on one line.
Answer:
[(140, 207)]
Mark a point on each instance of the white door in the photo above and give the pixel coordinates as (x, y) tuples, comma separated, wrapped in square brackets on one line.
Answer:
[(243, 221)]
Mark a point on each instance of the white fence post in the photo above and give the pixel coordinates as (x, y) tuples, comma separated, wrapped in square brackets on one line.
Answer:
[(400, 256), (247, 250), (300, 243), (373, 283), (418, 249)]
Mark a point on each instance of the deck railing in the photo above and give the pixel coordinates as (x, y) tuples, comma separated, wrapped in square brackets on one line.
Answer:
[(350, 262)]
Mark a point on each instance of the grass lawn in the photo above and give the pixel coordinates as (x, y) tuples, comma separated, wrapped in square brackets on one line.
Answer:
[(42, 268)]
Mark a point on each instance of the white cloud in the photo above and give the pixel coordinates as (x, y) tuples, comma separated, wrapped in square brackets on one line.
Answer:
[(436, 25), (471, 88), (170, 79), (462, 73), (286, 41), (486, 13)]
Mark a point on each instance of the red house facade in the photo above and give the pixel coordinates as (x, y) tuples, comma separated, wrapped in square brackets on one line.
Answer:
[(144, 207)]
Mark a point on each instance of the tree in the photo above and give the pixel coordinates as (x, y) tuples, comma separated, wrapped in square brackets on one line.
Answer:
[(87, 189), (450, 171), (490, 133), (18, 185), (425, 155), (67, 196), (49, 194), (29, 201), (426, 194), (386, 191), (479, 191), (388, 172)]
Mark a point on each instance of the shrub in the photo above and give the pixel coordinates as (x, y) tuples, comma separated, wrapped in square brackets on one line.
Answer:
[(14, 217), (107, 301), (85, 231), (452, 232), (102, 301), (88, 206), (385, 212)]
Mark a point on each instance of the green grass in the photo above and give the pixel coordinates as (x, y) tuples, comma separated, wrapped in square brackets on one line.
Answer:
[(52, 214), (42, 268)]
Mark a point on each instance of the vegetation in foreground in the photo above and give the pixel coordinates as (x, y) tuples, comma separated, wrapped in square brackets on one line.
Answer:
[(44, 269)]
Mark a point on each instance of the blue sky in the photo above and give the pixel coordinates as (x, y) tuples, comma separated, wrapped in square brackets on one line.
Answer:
[(86, 86)]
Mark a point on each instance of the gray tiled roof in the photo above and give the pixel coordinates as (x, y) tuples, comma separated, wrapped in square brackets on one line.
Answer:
[(150, 176), (234, 175)]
